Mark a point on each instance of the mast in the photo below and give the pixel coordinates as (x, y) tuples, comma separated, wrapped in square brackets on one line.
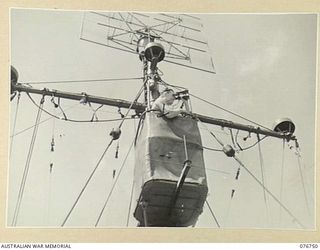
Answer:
[(151, 52)]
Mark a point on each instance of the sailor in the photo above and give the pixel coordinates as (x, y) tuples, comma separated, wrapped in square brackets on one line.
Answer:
[(164, 105)]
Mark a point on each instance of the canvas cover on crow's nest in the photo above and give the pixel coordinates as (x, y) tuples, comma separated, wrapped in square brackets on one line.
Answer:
[(159, 161)]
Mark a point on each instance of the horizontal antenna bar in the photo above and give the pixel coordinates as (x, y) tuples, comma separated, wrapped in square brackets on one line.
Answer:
[(140, 107), (248, 128), (162, 39), (106, 45), (182, 26), (145, 26), (140, 14), (191, 67), (194, 17), (77, 96)]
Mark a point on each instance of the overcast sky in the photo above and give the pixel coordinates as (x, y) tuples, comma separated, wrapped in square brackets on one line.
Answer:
[(265, 70)]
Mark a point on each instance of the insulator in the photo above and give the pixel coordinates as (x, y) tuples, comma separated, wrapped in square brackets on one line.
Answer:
[(52, 145), (117, 151), (84, 98), (115, 133), (228, 150), (238, 173), (113, 174)]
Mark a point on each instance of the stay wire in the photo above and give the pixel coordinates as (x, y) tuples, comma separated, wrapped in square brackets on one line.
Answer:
[(132, 103), (261, 184), (27, 165), (14, 125), (85, 80), (86, 183), (263, 176), (303, 185), (130, 204), (42, 121), (214, 217), (212, 149), (171, 85), (217, 106), (228, 111), (269, 192), (113, 186), (281, 178), (99, 161)]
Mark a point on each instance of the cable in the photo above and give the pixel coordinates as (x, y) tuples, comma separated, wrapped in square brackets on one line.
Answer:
[(217, 106), (262, 176), (171, 85), (228, 111), (43, 121), (27, 166), (214, 217), (269, 192), (281, 183), (87, 80), (129, 209), (86, 184), (14, 125), (303, 185), (251, 146), (133, 102), (114, 184), (99, 161), (232, 138), (212, 149), (261, 184), (72, 120)]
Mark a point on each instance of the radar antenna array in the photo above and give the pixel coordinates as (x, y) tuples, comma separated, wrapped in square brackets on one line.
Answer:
[(179, 34)]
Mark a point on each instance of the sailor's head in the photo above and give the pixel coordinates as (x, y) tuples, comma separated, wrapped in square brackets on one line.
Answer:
[(168, 96)]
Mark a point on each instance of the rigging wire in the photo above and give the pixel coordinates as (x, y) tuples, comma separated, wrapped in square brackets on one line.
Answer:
[(228, 111), (281, 178), (261, 184), (263, 178), (51, 163), (171, 85), (43, 121), (212, 149), (217, 106), (299, 157), (214, 217), (86, 80), (232, 138), (27, 165), (14, 125), (303, 185), (269, 192), (130, 204), (114, 184), (254, 144), (241, 148), (73, 120), (86, 183), (100, 159)]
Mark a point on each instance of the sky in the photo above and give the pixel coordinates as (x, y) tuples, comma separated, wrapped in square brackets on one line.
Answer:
[(265, 69)]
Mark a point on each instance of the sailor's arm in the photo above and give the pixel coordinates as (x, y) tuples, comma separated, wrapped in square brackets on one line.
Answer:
[(167, 112)]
